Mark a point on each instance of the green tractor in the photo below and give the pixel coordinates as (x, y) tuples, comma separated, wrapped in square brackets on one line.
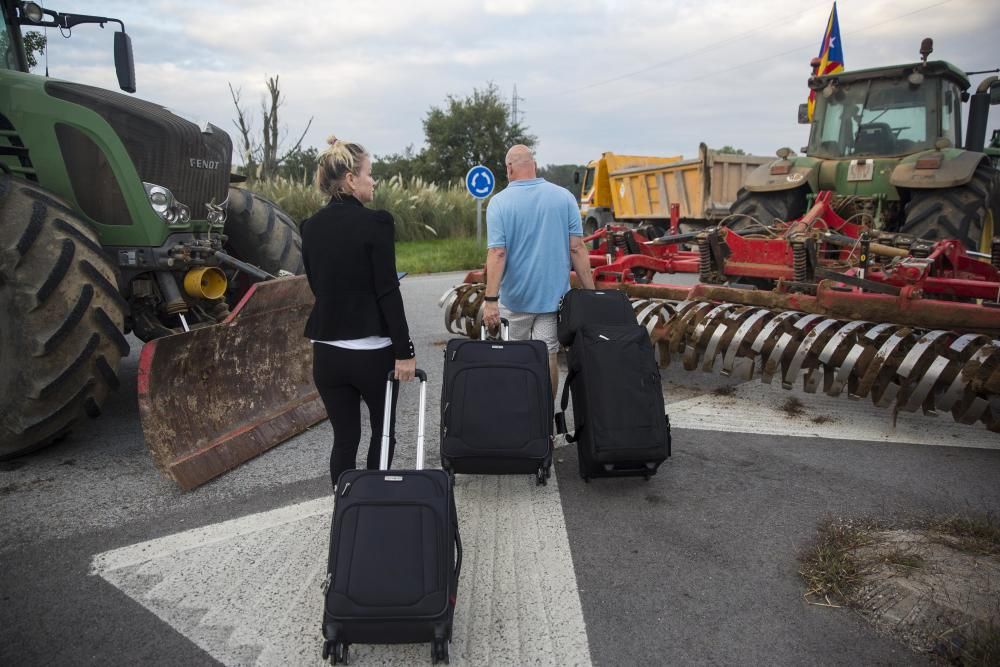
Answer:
[(116, 216), (888, 143)]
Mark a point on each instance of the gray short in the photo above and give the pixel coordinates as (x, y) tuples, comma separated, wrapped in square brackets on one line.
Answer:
[(532, 326)]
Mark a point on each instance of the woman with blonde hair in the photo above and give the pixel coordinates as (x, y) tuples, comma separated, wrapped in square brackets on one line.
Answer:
[(357, 325)]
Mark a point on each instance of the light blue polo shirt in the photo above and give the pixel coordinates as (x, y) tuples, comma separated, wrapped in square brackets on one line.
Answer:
[(533, 219)]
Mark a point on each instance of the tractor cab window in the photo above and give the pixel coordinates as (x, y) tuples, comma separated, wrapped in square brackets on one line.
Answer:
[(7, 45), (588, 181), (877, 118), (951, 114)]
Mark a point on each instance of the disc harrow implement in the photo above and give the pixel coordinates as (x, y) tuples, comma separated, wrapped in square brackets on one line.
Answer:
[(816, 303)]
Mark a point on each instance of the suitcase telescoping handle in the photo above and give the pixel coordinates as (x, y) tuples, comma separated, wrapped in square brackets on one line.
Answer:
[(383, 462), (504, 330)]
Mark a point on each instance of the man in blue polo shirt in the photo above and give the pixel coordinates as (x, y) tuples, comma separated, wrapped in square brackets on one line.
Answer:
[(533, 237)]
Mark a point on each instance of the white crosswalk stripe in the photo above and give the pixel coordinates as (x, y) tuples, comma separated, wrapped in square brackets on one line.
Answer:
[(754, 407), (247, 591)]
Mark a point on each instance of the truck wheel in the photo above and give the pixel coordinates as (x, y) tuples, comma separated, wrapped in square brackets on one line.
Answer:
[(262, 234), (967, 212), (61, 319), (752, 209)]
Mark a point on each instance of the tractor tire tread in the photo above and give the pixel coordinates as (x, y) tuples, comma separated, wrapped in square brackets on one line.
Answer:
[(261, 233), (766, 207), (955, 213), (61, 341)]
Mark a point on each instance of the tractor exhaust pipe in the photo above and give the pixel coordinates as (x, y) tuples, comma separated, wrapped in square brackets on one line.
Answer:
[(979, 111)]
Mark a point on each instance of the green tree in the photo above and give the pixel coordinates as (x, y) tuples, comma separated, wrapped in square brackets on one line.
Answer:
[(300, 164), (407, 165), (732, 151), (470, 131), (34, 43)]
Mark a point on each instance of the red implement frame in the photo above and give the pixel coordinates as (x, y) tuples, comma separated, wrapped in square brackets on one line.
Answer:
[(819, 263)]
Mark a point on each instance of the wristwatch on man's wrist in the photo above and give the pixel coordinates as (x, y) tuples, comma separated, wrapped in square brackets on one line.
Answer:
[(491, 299)]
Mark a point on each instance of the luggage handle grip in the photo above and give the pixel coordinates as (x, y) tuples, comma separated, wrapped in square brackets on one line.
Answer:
[(504, 329), (419, 374), (383, 462)]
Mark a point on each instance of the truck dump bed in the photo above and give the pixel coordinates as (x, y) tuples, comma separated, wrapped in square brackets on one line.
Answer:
[(704, 187)]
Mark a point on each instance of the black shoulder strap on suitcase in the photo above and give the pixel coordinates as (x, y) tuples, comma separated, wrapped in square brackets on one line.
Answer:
[(561, 427)]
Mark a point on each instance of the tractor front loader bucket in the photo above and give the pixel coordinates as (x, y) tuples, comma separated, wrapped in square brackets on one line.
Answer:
[(217, 396)]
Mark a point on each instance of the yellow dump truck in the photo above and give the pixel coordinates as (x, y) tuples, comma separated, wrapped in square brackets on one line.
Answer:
[(640, 189)]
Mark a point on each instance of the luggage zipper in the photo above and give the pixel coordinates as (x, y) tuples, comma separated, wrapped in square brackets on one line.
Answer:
[(327, 582), (347, 489)]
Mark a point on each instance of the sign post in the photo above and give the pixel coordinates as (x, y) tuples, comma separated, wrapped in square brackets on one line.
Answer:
[(479, 182)]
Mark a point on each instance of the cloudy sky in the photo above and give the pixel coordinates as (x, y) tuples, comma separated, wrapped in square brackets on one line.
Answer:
[(638, 77)]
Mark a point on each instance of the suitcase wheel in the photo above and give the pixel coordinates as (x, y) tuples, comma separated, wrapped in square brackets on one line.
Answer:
[(541, 477), (439, 651), (340, 655)]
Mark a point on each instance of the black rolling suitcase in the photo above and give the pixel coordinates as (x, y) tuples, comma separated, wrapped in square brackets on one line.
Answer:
[(585, 306), (395, 555), (496, 407), (620, 424)]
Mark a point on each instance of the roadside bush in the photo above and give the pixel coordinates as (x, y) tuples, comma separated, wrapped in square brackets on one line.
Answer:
[(422, 210)]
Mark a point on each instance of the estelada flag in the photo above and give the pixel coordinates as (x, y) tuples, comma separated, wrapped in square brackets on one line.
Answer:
[(831, 54)]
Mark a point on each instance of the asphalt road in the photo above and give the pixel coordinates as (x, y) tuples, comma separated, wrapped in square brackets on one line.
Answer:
[(105, 562)]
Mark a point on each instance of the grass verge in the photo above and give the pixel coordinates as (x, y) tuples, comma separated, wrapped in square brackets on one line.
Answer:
[(435, 256), (846, 556)]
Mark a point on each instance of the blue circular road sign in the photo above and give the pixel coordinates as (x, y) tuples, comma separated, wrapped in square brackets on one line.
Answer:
[(480, 182)]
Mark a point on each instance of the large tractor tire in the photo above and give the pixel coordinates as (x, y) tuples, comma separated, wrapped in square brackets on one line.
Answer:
[(968, 212), (260, 233), (61, 319), (753, 209)]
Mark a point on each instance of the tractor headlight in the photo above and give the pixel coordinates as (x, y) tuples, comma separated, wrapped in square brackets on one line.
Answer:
[(33, 12), (165, 206)]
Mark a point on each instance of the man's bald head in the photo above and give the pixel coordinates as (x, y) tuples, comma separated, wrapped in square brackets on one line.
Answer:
[(520, 162)]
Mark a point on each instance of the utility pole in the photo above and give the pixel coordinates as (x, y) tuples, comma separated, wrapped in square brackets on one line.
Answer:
[(513, 106)]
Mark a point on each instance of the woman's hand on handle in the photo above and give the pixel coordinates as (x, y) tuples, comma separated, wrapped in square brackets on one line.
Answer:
[(405, 369)]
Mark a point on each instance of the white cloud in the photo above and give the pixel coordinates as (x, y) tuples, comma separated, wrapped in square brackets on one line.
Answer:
[(651, 76)]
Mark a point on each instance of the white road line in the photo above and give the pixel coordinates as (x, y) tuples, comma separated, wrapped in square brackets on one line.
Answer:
[(247, 591), (755, 407)]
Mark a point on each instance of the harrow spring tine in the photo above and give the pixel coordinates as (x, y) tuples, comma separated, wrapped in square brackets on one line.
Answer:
[(799, 360), (879, 376), (915, 368), (699, 340), (835, 352), (446, 302), (758, 317), (680, 333), (645, 313), (770, 348), (970, 348), (859, 356), (921, 396), (449, 292), (724, 332), (768, 331)]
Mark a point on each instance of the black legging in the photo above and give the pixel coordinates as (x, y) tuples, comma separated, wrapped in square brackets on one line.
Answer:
[(344, 377)]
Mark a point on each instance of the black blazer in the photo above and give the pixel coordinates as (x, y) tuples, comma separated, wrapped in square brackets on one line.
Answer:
[(350, 262)]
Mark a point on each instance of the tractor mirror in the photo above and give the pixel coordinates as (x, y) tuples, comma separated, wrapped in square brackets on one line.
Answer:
[(803, 114), (576, 177), (124, 63)]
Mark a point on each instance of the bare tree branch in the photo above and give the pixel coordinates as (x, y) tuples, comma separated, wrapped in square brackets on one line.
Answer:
[(248, 148)]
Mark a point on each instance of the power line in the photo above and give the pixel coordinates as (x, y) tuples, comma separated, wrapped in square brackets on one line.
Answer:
[(708, 47), (729, 68)]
